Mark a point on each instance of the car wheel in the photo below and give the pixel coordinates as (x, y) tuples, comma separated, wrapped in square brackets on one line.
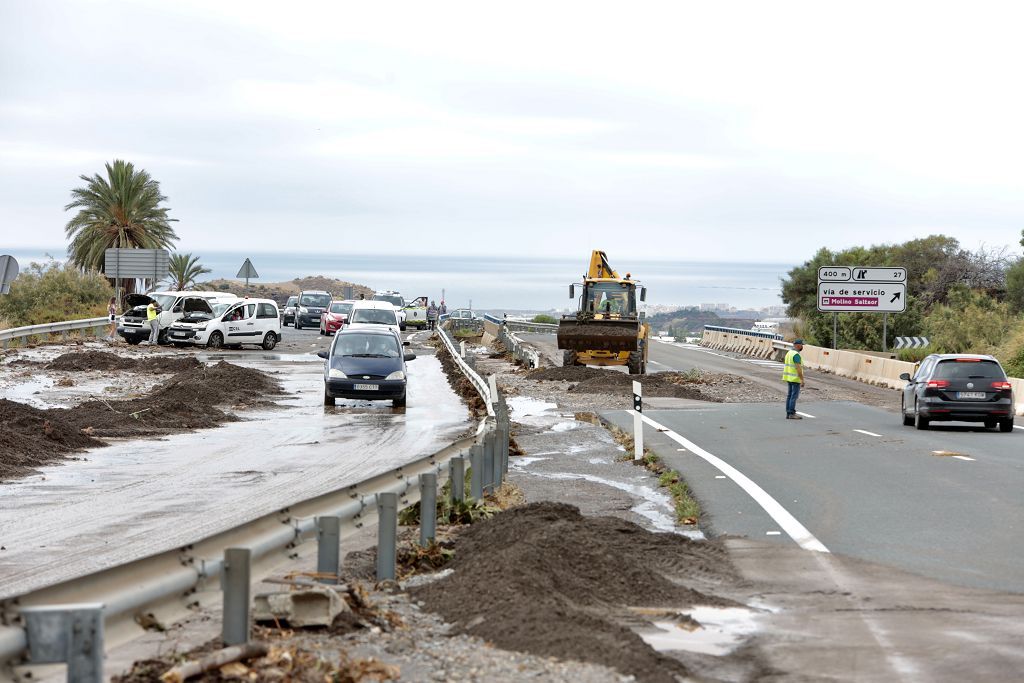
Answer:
[(1006, 425), (328, 399), (269, 341), (907, 419), (216, 341), (161, 338), (919, 422), (398, 402), (134, 341)]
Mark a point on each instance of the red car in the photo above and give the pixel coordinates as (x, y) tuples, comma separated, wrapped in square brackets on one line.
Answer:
[(335, 316)]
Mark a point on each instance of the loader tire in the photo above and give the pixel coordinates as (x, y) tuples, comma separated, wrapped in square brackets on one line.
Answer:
[(635, 364), (569, 359)]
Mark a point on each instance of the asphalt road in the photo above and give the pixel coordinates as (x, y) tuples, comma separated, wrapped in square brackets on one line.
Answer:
[(943, 503)]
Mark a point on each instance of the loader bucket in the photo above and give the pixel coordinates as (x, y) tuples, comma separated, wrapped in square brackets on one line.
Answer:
[(598, 335)]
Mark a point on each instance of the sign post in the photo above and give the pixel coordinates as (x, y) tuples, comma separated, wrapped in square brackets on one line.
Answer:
[(247, 271)]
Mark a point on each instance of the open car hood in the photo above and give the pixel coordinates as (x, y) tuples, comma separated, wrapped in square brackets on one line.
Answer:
[(133, 300), (196, 305)]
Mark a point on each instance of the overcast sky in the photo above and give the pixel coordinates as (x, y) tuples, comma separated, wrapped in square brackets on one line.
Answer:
[(689, 131)]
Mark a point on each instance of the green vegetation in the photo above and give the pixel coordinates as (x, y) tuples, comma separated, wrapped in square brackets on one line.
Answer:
[(120, 211), (184, 269), (52, 292), (962, 301), (546, 319)]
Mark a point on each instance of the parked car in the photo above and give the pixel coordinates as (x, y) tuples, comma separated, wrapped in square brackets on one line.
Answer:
[(374, 314), (288, 312), (309, 307), (335, 316), (416, 312), (134, 325), (396, 300), (461, 314), (960, 387), (247, 321), (366, 363)]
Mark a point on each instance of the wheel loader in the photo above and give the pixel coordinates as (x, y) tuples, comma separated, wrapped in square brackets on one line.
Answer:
[(606, 329)]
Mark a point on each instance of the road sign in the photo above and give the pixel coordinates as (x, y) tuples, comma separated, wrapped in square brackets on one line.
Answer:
[(834, 274), (136, 263), (911, 342), (853, 297), (8, 272), (879, 274), (248, 271)]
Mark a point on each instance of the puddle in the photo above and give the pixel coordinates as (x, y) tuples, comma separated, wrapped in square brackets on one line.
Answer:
[(599, 461), (524, 461), (25, 392), (524, 406), (565, 426), (721, 630)]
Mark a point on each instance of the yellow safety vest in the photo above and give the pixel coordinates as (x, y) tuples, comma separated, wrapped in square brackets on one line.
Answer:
[(789, 374), (151, 312)]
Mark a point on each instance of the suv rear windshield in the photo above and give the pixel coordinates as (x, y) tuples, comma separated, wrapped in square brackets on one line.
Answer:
[(958, 369), (319, 300), (378, 316), (392, 299)]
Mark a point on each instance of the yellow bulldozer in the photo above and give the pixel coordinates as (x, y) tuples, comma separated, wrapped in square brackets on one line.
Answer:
[(607, 328)]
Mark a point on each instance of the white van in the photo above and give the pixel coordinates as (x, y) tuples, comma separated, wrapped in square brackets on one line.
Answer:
[(246, 321), (134, 327), (374, 314), (396, 300)]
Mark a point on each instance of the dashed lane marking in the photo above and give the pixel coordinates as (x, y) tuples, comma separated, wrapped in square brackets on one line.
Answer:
[(864, 431), (806, 415), (964, 457), (1017, 427), (773, 533), (797, 531), (720, 476)]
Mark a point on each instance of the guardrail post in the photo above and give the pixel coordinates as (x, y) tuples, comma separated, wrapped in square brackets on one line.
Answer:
[(328, 548), (476, 471), (387, 535), (428, 508), (490, 465), (457, 478), (71, 634), (235, 627)]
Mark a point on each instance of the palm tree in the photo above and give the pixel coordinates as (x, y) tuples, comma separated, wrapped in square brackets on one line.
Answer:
[(122, 210), (184, 269)]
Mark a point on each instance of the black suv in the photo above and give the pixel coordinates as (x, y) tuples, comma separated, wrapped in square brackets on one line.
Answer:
[(961, 387)]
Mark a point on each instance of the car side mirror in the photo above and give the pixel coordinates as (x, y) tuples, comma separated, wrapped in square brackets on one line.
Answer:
[(905, 376), (572, 291), (405, 343), (410, 356), (323, 354), (176, 309), (643, 294)]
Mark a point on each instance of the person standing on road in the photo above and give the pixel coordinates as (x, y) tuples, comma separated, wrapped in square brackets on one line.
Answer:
[(431, 315), (442, 309), (152, 312), (112, 315), (793, 376)]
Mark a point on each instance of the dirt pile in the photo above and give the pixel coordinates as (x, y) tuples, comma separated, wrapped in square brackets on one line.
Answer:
[(554, 583), (595, 381), (569, 373), (100, 360), (189, 400)]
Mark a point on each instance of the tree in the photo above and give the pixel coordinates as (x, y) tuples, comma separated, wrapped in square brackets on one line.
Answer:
[(184, 269), (122, 210), (1015, 286)]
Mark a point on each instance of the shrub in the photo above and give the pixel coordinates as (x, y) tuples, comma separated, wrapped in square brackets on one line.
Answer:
[(547, 319), (51, 292)]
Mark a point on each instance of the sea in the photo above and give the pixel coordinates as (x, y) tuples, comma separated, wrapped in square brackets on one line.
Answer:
[(500, 282)]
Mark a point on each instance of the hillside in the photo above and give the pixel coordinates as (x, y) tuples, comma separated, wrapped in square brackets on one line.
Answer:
[(688, 322), (280, 291)]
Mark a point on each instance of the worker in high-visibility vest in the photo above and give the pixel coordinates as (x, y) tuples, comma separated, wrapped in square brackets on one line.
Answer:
[(793, 376)]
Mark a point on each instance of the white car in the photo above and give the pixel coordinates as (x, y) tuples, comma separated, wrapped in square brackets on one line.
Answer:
[(374, 314), (246, 321), (396, 300), (134, 327)]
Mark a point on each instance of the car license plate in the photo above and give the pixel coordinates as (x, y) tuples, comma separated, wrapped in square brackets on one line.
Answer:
[(970, 394), (181, 334), (367, 387)]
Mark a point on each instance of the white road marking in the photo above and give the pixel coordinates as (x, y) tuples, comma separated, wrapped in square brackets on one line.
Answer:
[(797, 531), (773, 533), (806, 415), (964, 457), (1017, 427), (864, 431), (681, 450), (719, 476)]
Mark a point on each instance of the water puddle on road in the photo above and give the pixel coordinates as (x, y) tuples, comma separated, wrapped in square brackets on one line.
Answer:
[(25, 392), (717, 631)]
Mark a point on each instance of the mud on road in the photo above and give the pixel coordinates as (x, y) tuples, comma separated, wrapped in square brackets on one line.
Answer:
[(194, 397)]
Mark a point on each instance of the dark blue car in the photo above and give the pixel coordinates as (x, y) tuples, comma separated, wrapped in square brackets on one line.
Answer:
[(366, 363)]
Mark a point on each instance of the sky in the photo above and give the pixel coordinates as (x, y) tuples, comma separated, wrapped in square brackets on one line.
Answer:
[(751, 132)]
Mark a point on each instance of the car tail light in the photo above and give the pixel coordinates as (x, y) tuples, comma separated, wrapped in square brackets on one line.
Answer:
[(938, 384), (1002, 386), (968, 360)]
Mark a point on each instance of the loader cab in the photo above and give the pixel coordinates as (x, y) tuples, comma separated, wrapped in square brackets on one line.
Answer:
[(612, 299)]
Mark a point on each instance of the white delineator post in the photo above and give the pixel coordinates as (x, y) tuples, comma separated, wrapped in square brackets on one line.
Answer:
[(638, 423)]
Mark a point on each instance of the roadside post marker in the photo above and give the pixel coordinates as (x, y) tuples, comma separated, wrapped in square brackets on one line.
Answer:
[(638, 424), (237, 565), (328, 548), (71, 634), (457, 477), (428, 508), (387, 535)]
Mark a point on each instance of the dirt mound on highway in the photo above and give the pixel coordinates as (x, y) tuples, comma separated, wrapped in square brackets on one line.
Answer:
[(554, 583), (673, 384), (570, 373), (30, 437), (101, 360)]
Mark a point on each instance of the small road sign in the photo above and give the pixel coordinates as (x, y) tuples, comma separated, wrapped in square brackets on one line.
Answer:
[(834, 274), (248, 271), (879, 274), (8, 272), (852, 297), (911, 342)]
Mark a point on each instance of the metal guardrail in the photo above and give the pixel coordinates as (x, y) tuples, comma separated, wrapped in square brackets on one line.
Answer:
[(478, 382), (518, 348), (749, 333), (522, 325), (7, 336), (182, 578)]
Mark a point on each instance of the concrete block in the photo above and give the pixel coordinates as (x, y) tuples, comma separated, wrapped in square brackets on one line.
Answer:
[(306, 607)]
